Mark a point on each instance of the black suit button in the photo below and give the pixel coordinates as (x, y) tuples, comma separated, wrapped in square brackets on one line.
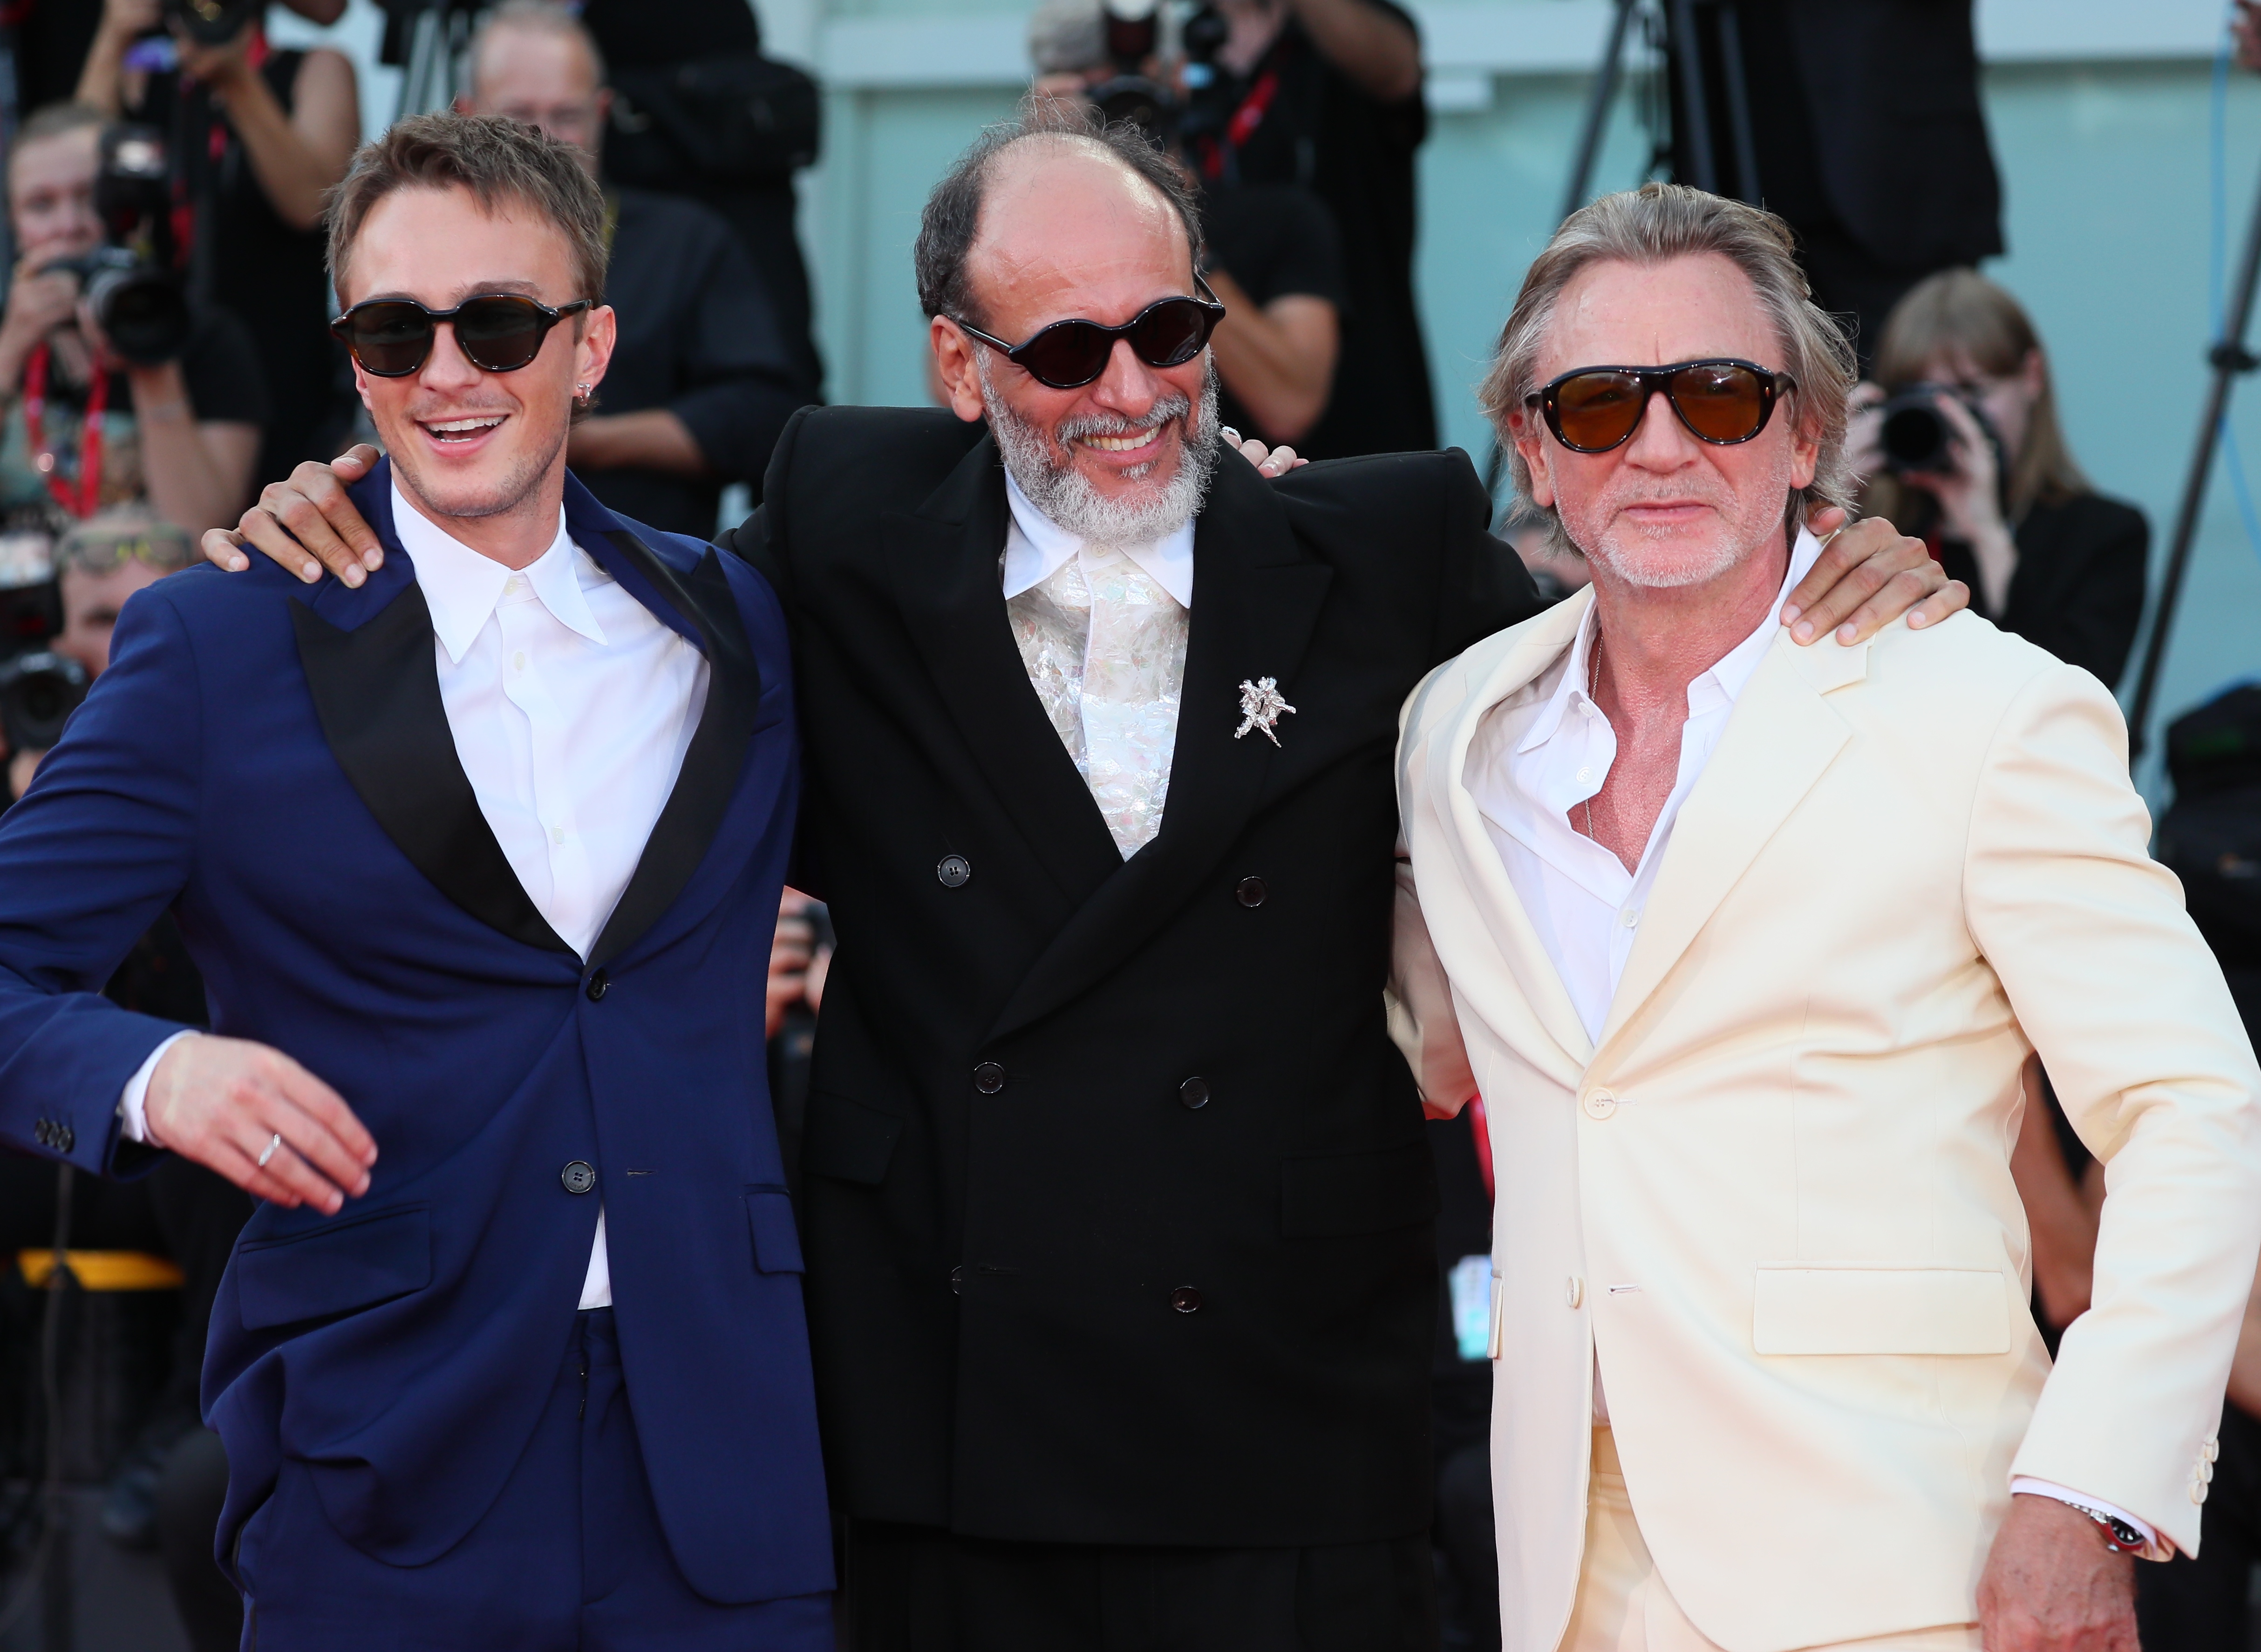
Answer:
[(1186, 1299), (1194, 1092), (579, 1177), (958, 1280), (65, 1138), (989, 1078), (954, 871), (599, 984), (1249, 892), (43, 1133)]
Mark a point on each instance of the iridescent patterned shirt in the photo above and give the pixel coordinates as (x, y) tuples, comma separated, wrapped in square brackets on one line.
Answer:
[(1102, 633)]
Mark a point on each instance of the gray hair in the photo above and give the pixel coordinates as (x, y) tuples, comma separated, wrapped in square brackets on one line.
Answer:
[(1066, 37), (532, 17), (1651, 226), (952, 217)]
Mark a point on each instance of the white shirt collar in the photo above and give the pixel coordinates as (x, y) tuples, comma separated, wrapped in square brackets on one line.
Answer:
[(1037, 551), (461, 587), (1723, 684)]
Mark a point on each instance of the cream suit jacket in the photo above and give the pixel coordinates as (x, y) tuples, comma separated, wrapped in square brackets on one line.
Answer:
[(1776, 1199)]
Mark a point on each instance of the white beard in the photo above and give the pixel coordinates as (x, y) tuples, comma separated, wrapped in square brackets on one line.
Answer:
[(1066, 495)]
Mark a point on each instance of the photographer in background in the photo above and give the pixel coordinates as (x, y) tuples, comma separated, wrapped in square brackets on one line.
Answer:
[(257, 136), (1326, 94), (1273, 258), (83, 428), (1959, 442), (703, 378)]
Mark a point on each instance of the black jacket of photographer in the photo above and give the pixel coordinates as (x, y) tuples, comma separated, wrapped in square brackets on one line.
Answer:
[(2077, 590), (1116, 1195), (1315, 126)]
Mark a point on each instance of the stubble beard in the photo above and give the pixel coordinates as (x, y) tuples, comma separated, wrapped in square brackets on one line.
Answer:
[(508, 493), (1045, 466), (1661, 559)]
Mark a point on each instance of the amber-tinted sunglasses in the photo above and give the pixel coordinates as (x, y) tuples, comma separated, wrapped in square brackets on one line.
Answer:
[(497, 332), (1593, 409), (1069, 354)]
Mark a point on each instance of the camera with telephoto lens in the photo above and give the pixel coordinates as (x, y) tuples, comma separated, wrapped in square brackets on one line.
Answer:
[(1915, 436), (38, 694), (1133, 33), (138, 300), (1208, 95), (213, 22)]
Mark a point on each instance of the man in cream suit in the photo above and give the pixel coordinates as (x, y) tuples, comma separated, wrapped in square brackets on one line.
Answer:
[(1766, 1377)]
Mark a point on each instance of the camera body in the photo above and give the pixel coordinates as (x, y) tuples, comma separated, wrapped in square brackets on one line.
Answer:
[(1915, 436), (213, 22), (38, 694), (129, 281)]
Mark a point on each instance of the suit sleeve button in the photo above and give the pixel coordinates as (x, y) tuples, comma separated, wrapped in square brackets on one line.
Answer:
[(953, 871), (1194, 1092), (599, 984), (1186, 1299), (578, 1176), (958, 1280), (1249, 892), (989, 1078), (67, 1139)]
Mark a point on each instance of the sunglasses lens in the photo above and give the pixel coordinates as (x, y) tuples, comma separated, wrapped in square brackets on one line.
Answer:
[(1720, 401), (389, 339), (1597, 411), (500, 333), (1171, 333), (1065, 355)]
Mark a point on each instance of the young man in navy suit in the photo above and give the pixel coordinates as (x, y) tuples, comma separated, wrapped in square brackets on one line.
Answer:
[(513, 1353)]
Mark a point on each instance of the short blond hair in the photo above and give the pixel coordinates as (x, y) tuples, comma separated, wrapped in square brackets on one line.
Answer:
[(1653, 224)]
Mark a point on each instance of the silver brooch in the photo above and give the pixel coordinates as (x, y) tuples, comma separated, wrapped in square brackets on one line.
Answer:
[(1261, 705)]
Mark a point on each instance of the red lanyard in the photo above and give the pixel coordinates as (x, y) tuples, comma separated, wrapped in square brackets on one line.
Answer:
[(89, 494), (1480, 1128), (1242, 125)]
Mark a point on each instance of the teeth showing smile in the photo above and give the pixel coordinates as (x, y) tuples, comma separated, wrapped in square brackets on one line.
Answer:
[(1120, 444), (463, 429)]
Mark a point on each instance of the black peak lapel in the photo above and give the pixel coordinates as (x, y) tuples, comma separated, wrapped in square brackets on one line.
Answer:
[(943, 563), (376, 692), (718, 750), (1257, 596)]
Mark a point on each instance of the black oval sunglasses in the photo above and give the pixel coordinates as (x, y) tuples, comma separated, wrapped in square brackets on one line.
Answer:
[(1069, 354), (497, 332), (1722, 401)]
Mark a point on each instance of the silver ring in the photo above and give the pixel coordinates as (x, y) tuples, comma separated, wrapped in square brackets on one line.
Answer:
[(1229, 434), (273, 1142)]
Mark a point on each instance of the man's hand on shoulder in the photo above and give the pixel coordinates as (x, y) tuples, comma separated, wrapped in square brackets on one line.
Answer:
[(225, 1102), (306, 524), (1271, 461), (1866, 578), (2051, 1584)]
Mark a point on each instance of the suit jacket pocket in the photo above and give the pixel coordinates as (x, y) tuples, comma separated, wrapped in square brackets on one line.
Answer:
[(335, 1267), (847, 1140), (1343, 1194), (1854, 1307), (777, 1243)]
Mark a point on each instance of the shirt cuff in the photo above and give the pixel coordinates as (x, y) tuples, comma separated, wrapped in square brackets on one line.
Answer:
[(133, 1102), (2153, 1548)]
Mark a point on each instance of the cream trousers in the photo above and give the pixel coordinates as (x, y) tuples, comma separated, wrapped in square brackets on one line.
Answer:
[(1624, 1606)]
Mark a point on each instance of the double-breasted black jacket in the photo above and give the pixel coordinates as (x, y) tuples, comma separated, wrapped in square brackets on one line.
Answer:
[(1116, 1203)]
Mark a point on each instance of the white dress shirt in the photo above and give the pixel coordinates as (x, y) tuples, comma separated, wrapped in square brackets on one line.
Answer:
[(572, 705), (1102, 632), (1584, 903)]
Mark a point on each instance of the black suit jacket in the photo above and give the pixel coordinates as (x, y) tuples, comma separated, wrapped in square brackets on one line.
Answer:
[(1899, 138), (2077, 590), (1116, 1199)]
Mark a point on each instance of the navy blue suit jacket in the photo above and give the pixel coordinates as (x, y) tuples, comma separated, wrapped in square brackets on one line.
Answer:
[(273, 762)]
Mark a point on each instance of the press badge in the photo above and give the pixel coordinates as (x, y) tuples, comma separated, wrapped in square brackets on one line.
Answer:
[(1471, 1284)]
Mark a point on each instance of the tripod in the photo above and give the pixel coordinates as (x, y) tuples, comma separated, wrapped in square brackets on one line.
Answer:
[(2228, 358)]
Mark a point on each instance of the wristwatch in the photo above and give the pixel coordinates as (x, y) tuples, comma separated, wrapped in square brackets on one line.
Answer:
[(2120, 1537)]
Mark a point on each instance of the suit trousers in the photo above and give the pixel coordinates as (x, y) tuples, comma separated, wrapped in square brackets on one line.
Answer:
[(570, 1558), (1623, 1605), (919, 1589)]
